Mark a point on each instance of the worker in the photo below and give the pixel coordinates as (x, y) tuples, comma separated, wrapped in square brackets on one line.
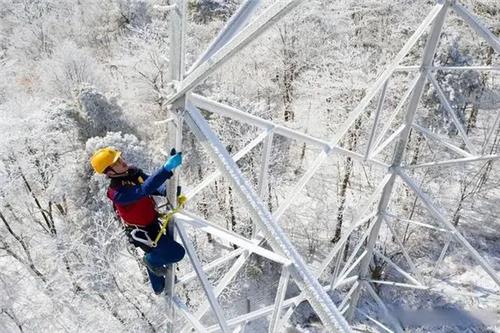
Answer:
[(131, 192)]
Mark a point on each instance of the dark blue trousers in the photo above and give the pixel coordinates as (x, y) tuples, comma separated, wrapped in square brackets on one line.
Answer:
[(166, 252)]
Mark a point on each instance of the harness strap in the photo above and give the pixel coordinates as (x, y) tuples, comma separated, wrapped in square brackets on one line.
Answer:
[(181, 199)]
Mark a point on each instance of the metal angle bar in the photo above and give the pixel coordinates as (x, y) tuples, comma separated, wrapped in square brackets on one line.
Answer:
[(300, 185), (247, 35), (233, 113), (266, 157), (278, 301), (394, 322), (403, 248), (232, 27), (450, 68), (390, 139), (301, 298), (177, 29), (184, 311), (399, 284), (230, 236), (397, 268), (408, 68), (203, 278), (212, 265), (348, 295), (441, 256), (425, 225), (343, 275), (375, 321), (380, 106), (354, 114), (236, 157), (342, 240), (458, 161), (223, 283), (446, 224), (437, 138), (304, 279), (358, 222), (354, 252), (177, 41), (447, 106), (394, 114), (490, 132), (262, 312), (477, 25), (465, 68)]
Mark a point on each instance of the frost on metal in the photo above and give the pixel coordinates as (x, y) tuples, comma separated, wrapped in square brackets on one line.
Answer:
[(373, 213)]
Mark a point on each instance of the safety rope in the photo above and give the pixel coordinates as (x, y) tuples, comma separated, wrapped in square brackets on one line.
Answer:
[(165, 218)]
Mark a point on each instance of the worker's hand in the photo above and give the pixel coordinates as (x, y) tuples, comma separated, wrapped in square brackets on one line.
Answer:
[(173, 162)]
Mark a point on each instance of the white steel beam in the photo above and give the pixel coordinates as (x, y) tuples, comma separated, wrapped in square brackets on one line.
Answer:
[(242, 39), (349, 260), (278, 301), (448, 225), (232, 237), (233, 113), (427, 60), (212, 265), (266, 157), (465, 68), (458, 161), (222, 284), (490, 132), (347, 296), (348, 269), (452, 113), (387, 314), (396, 267), (399, 284), (425, 225), (380, 106), (477, 25), (232, 27), (440, 140), (439, 262), (395, 113), (236, 157), (207, 287), (397, 237), (320, 301), (184, 311), (450, 68), (388, 141), (300, 185), (176, 73)]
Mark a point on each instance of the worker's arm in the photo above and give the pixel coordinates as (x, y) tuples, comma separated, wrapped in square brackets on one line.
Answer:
[(161, 191), (150, 186)]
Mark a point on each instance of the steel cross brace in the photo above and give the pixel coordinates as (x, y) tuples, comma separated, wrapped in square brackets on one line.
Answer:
[(320, 301)]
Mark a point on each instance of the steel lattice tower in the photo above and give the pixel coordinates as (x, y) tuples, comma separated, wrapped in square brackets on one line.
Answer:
[(354, 274)]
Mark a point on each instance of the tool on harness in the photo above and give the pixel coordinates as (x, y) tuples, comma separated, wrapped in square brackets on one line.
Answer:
[(165, 218)]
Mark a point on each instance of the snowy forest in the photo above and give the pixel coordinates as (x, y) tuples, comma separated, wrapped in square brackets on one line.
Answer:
[(77, 75)]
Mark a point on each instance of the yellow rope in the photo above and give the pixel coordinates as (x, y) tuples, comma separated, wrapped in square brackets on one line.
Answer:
[(181, 201)]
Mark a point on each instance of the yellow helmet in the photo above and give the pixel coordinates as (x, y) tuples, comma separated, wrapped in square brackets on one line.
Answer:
[(103, 158)]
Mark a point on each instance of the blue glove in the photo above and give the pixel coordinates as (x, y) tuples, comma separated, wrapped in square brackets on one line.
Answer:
[(173, 162)]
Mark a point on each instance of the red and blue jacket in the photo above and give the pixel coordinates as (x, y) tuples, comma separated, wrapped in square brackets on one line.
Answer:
[(132, 194)]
